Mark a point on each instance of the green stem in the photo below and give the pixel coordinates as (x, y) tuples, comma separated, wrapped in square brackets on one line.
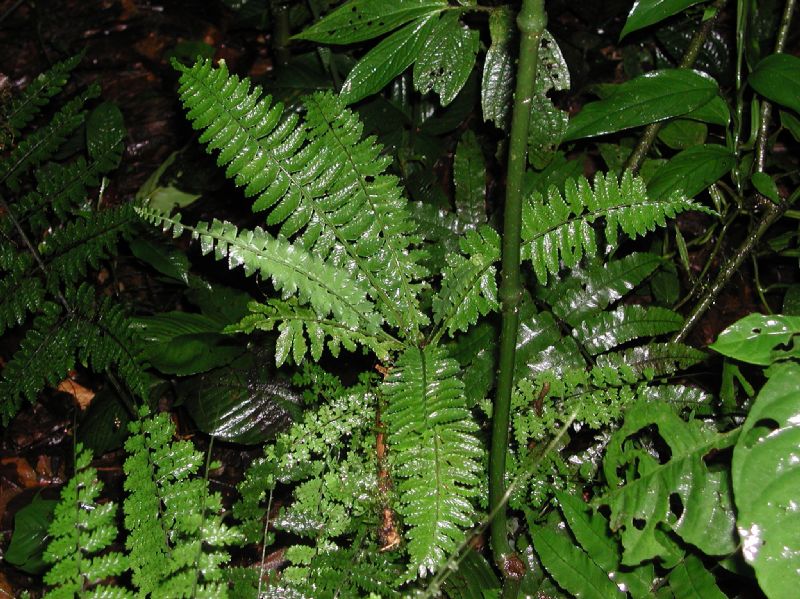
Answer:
[(772, 213), (280, 32), (531, 22), (651, 131)]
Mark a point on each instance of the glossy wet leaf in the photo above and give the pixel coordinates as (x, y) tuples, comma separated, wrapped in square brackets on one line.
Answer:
[(654, 359), (469, 179), (387, 60), (681, 134), (552, 72), (30, 536), (649, 12), (446, 59), (242, 405), (167, 260), (776, 78), (766, 483), (692, 171), (607, 330), (760, 339), (690, 580), (548, 125), (715, 112), (791, 123), (649, 98), (571, 567), (498, 71), (642, 486), (361, 20), (766, 186)]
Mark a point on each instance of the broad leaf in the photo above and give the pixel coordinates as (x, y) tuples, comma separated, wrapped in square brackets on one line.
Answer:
[(640, 500), (167, 260), (766, 479), (691, 580), (692, 170), (387, 60), (760, 339), (30, 536), (498, 71), (649, 12), (649, 98), (361, 20), (776, 78), (446, 59)]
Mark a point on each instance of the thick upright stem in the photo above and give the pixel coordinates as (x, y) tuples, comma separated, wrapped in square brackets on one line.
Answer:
[(692, 51), (531, 22)]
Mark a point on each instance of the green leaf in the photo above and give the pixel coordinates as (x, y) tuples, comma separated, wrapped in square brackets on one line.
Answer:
[(387, 60), (715, 112), (30, 536), (791, 123), (361, 20), (469, 179), (649, 98), (105, 425), (498, 71), (766, 186), (776, 79), (223, 304), (571, 567), (683, 133), (474, 578), (446, 59), (104, 127), (640, 497), (691, 171), (691, 580), (607, 330), (766, 479), (649, 12), (760, 339), (547, 128), (169, 261), (242, 405)]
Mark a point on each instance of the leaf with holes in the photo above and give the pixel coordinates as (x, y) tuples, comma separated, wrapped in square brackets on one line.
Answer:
[(361, 20), (677, 491), (766, 479), (760, 339), (446, 59)]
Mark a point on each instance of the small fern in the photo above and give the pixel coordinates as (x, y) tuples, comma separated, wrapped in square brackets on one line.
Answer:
[(81, 531), (436, 455), (559, 229), (177, 540)]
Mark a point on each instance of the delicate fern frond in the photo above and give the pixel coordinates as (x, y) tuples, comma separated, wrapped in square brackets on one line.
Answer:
[(176, 539), (80, 530), (292, 269), (435, 454), (323, 184), (607, 330), (559, 229), (22, 109), (469, 282), (20, 293), (84, 242), (300, 327), (655, 359), (98, 332), (469, 182), (592, 289), (40, 145)]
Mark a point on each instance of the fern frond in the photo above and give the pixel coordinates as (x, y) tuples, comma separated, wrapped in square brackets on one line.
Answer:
[(20, 293), (560, 228), (176, 537), (22, 109), (40, 145), (654, 359), (592, 289), (607, 330), (321, 182), (291, 268), (435, 454), (469, 282), (81, 529), (98, 332), (84, 242), (300, 327)]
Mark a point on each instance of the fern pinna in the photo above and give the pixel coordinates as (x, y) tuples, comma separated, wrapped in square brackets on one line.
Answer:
[(341, 248), (49, 239)]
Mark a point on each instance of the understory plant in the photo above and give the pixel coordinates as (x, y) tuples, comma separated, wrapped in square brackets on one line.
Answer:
[(481, 395)]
